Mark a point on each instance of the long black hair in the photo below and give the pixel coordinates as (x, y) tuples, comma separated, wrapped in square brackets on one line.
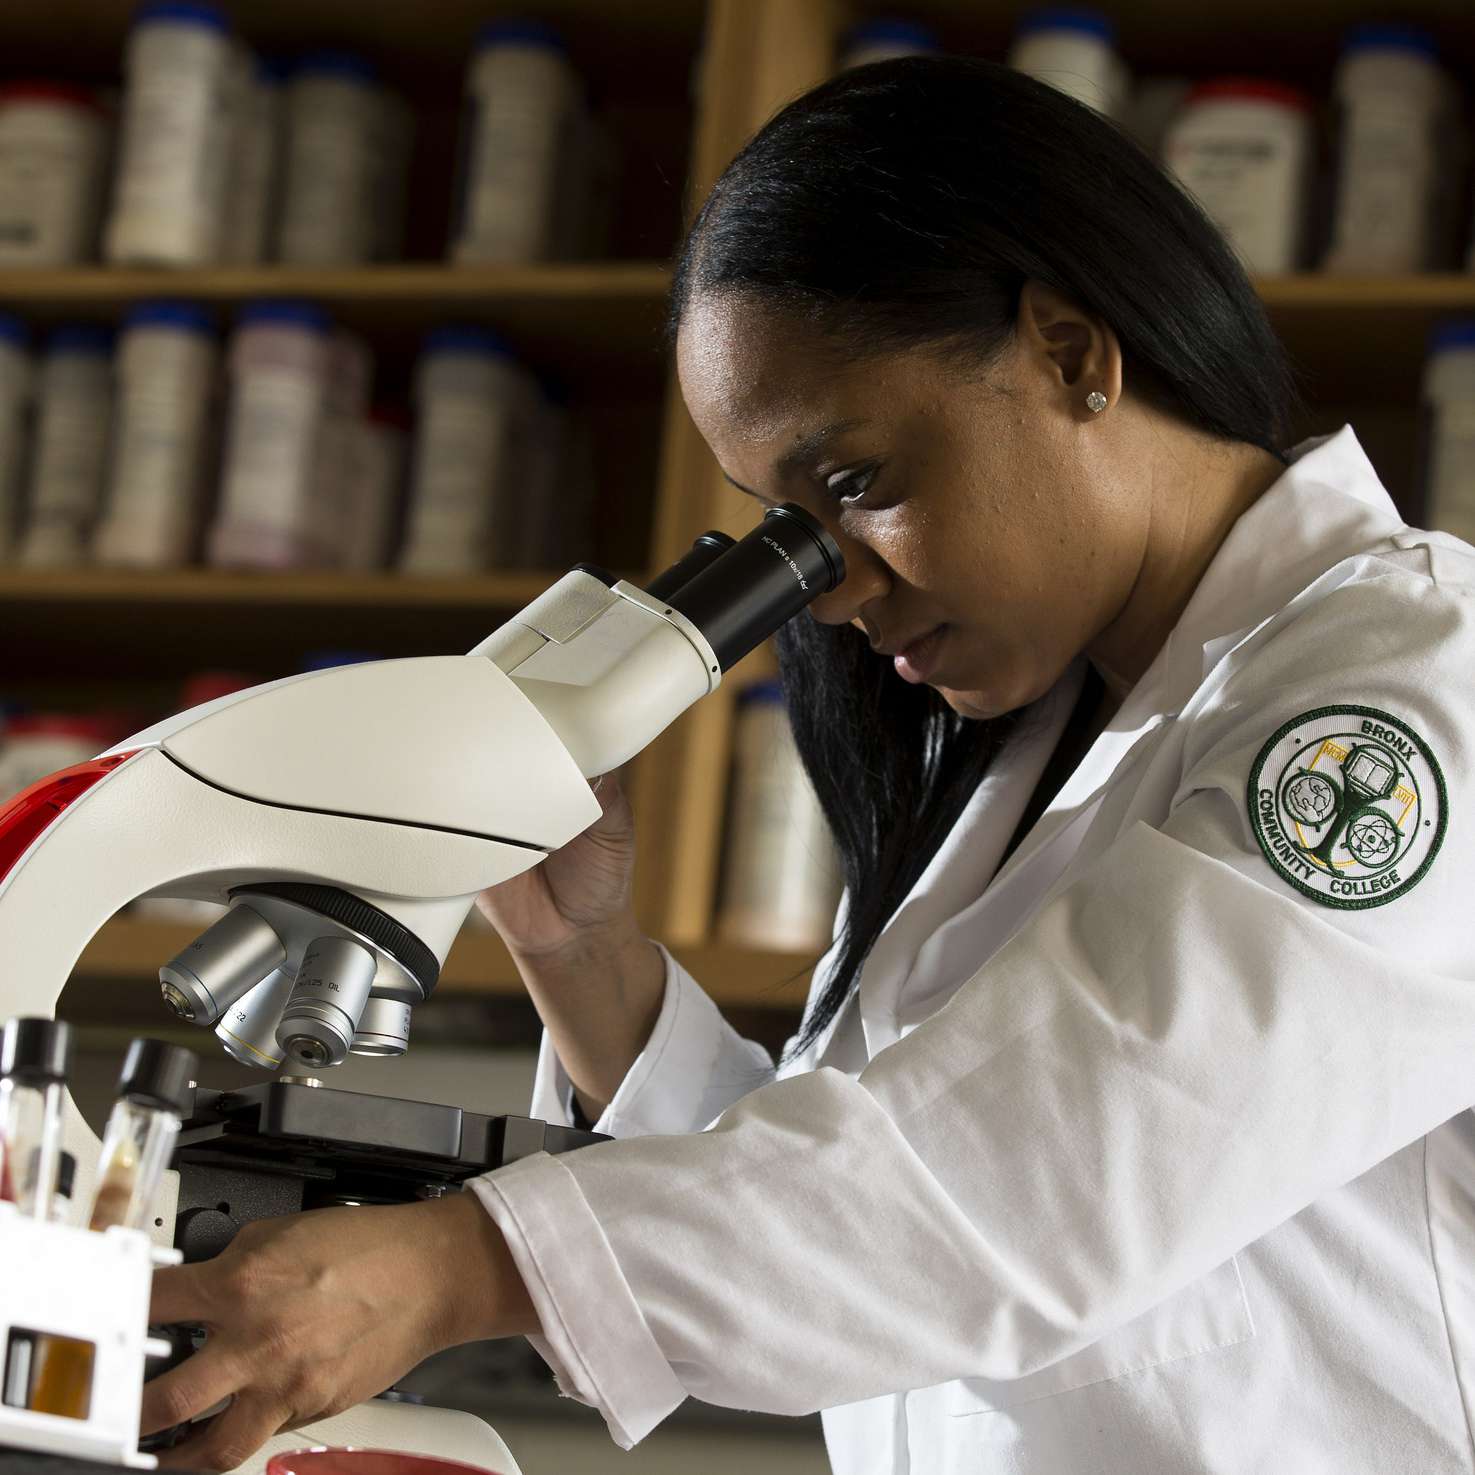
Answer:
[(905, 205)]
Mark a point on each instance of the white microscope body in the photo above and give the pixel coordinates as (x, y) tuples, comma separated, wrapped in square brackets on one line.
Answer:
[(349, 817)]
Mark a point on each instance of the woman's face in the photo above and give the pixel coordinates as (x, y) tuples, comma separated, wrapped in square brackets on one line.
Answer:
[(989, 528)]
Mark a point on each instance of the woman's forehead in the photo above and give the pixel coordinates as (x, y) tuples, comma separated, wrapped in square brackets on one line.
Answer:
[(753, 370)]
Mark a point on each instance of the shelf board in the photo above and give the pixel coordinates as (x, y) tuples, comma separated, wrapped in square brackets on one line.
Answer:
[(589, 319), (478, 964), (417, 282), (1266, 36), (217, 587), (82, 627), (1362, 340), (584, 318)]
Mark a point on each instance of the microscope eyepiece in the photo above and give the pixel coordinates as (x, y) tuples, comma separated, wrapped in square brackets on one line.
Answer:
[(740, 594), (707, 549)]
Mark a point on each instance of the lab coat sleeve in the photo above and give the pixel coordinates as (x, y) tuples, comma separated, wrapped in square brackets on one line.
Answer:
[(694, 1066), (1176, 1054)]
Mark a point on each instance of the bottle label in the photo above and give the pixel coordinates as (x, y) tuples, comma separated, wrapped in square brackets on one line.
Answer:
[(274, 424)]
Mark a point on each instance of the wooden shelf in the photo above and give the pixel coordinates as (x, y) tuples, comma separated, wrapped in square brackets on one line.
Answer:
[(83, 635), (1363, 339), (590, 320), (215, 587), (410, 283), (1298, 42), (478, 964)]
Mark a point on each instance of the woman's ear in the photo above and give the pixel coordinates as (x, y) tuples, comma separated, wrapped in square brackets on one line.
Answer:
[(1073, 347)]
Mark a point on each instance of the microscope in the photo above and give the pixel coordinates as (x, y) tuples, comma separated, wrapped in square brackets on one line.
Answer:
[(348, 818)]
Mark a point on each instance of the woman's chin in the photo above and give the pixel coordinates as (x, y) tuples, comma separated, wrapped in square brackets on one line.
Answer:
[(978, 706)]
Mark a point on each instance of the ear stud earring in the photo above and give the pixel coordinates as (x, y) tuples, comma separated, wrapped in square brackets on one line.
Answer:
[(1095, 401)]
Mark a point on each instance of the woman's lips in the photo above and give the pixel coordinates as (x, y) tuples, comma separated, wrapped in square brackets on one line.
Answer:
[(917, 661)]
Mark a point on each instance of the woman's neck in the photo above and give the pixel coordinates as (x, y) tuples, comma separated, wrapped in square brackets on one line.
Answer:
[(1200, 490)]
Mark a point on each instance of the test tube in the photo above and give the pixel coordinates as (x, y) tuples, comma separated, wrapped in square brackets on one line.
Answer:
[(153, 1093), (34, 1057)]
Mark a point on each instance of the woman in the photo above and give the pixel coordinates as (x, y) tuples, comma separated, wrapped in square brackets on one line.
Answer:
[(1112, 1138)]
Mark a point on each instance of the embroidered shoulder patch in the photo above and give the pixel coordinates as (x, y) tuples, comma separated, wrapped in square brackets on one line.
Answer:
[(1349, 805)]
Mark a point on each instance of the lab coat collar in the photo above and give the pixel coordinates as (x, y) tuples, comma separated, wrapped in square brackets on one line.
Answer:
[(1328, 505)]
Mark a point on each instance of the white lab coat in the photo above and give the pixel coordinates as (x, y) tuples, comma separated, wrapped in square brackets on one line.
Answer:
[(1132, 1159)]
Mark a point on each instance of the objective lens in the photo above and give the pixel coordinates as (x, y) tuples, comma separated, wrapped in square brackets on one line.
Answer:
[(322, 1015), (248, 1031), (221, 965), (384, 1028)]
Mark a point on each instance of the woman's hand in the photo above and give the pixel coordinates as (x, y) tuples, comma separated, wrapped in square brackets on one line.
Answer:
[(594, 977), (312, 1313), (583, 888)]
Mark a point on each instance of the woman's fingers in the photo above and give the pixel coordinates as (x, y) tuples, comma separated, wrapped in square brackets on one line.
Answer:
[(183, 1293), (186, 1391), (229, 1439)]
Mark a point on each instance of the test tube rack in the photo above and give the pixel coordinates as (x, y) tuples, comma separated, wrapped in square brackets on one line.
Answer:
[(57, 1281)]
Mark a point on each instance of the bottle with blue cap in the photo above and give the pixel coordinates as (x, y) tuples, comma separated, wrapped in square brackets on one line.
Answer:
[(780, 880), (1073, 49), (279, 366), (1449, 417), (166, 371), (15, 399), (1397, 174), (475, 404), (74, 407), (255, 163), (526, 147), (886, 39), (181, 76), (338, 156)]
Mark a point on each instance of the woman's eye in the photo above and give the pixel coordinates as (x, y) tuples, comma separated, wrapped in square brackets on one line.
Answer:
[(851, 486)]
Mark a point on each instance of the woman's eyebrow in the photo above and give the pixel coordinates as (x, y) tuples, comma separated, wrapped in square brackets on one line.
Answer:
[(804, 449), (807, 446)]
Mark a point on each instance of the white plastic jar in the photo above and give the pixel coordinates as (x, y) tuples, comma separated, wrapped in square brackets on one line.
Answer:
[(167, 362), (379, 453), (1396, 184), (334, 161), (53, 150), (1073, 50), (278, 369), (178, 117), (885, 40), (256, 165), (780, 874), (350, 378), (37, 744), (541, 524), (526, 103), (15, 400), (74, 397), (1245, 149), (474, 403), (1449, 402)]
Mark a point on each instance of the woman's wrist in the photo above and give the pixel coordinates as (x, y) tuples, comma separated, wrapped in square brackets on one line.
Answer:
[(599, 997), (595, 946), (482, 1294)]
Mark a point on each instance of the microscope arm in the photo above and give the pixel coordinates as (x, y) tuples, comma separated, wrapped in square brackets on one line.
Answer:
[(150, 825)]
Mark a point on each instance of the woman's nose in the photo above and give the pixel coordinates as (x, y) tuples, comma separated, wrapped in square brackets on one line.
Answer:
[(866, 579)]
